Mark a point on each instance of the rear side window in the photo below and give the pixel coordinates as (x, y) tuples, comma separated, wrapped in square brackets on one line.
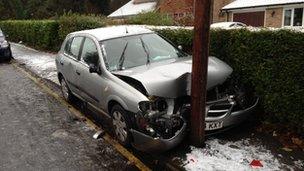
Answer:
[(67, 46), (73, 46)]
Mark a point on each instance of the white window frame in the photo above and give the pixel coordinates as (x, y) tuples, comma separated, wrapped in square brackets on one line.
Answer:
[(292, 16)]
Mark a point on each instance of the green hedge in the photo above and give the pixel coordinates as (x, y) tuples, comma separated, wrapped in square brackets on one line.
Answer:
[(74, 22), (41, 34), (152, 18), (271, 61)]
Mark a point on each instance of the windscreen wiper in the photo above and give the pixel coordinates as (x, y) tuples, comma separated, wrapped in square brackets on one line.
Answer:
[(146, 51), (122, 57)]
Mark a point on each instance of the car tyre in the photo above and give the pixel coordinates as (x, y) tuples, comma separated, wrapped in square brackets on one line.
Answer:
[(65, 90), (121, 125)]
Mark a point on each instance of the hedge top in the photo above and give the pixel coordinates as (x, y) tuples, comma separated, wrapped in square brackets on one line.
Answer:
[(114, 32)]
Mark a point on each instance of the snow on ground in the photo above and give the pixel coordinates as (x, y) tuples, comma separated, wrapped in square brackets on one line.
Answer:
[(41, 63), (234, 156)]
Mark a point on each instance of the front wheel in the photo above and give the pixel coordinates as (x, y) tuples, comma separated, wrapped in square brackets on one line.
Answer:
[(121, 125)]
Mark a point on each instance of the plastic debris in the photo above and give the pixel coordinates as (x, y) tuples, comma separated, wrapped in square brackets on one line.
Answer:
[(256, 164), (287, 149), (98, 134)]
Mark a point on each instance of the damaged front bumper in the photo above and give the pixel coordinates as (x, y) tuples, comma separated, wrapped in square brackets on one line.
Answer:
[(216, 120), (230, 118), (150, 144)]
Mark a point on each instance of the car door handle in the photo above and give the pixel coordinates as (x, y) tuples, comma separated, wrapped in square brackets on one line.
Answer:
[(77, 72)]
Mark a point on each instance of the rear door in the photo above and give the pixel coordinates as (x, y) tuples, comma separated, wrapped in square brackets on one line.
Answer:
[(70, 62)]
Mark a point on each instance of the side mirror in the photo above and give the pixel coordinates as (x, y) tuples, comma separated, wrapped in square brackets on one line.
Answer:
[(180, 47), (94, 69)]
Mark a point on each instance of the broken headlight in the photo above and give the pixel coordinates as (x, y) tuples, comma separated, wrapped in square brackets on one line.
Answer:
[(155, 104), (144, 106)]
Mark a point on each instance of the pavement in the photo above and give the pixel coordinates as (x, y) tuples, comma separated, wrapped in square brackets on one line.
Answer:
[(39, 133), (49, 128)]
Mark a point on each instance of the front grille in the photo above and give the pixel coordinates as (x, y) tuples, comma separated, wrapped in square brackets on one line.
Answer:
[(219, 109)]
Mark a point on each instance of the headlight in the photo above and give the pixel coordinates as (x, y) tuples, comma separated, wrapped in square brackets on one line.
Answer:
[(144, 106), (4, 44)]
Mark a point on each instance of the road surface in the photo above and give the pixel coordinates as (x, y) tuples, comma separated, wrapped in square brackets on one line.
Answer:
[(38, 133)]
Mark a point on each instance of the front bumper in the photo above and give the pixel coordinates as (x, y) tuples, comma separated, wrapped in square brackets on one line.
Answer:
[(149, 144), (235, 117)]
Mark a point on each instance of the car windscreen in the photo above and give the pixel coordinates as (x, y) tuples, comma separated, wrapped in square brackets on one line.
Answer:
[(132, 51)]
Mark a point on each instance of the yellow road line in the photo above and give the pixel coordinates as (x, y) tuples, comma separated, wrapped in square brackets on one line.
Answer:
[(127, 154)]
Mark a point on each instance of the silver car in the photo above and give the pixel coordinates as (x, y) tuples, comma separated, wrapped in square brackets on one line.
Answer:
[(142, 82)]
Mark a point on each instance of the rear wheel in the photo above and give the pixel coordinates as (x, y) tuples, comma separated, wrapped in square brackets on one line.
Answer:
[(66, 92), (121, 125)]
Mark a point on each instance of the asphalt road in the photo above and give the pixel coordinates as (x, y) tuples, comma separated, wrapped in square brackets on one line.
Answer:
[(38, 133)]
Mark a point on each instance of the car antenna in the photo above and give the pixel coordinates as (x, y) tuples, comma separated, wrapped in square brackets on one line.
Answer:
[(124, 20)]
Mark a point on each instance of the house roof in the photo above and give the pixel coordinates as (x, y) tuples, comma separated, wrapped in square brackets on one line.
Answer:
[(243, 4), (114, 32), (132, 8)]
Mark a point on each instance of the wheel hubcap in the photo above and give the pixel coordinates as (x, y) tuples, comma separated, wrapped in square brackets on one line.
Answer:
[(120, 126), (64, 89)]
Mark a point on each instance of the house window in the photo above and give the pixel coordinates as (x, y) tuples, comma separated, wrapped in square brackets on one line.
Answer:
[(298, 17), (293, 17), (287, 17)]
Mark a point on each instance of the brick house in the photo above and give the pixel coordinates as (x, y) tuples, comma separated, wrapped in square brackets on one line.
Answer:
[(266, 13), (178, 9)]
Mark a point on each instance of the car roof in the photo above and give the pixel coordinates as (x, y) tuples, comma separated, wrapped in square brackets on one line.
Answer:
[(114, 32), (225, 24)]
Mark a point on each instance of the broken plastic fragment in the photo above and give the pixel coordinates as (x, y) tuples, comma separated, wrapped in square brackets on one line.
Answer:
[(98, 134), (287, 149), (256, 164)]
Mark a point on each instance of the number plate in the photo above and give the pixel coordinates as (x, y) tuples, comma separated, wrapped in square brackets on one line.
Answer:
[(213, 125)]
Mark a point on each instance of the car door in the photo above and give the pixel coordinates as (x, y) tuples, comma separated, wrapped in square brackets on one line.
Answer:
[(70, 61), (92, 84)]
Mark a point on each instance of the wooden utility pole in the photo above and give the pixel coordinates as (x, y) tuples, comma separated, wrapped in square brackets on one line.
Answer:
[(199, 71)]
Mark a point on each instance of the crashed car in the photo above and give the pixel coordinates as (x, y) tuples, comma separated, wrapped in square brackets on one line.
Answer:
[(5, 48), (142, 82)]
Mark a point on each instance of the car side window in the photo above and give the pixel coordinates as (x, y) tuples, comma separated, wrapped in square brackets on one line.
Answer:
[(89, 53), (75, 47), (67, 46)]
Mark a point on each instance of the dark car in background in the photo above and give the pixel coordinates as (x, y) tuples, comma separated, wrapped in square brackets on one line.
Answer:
[(5, 48)]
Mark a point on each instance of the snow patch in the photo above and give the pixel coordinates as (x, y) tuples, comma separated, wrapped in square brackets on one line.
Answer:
[(227, 155), (41, 63), (131, 8), (299, 164)]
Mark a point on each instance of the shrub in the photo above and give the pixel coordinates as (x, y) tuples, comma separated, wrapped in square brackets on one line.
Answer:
[(74, 22), (152, 18), (41, 34), (271, 61)]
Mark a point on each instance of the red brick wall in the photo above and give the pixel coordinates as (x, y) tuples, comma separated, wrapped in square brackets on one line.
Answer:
[(217, 15), (181, 9), (176, 8)]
